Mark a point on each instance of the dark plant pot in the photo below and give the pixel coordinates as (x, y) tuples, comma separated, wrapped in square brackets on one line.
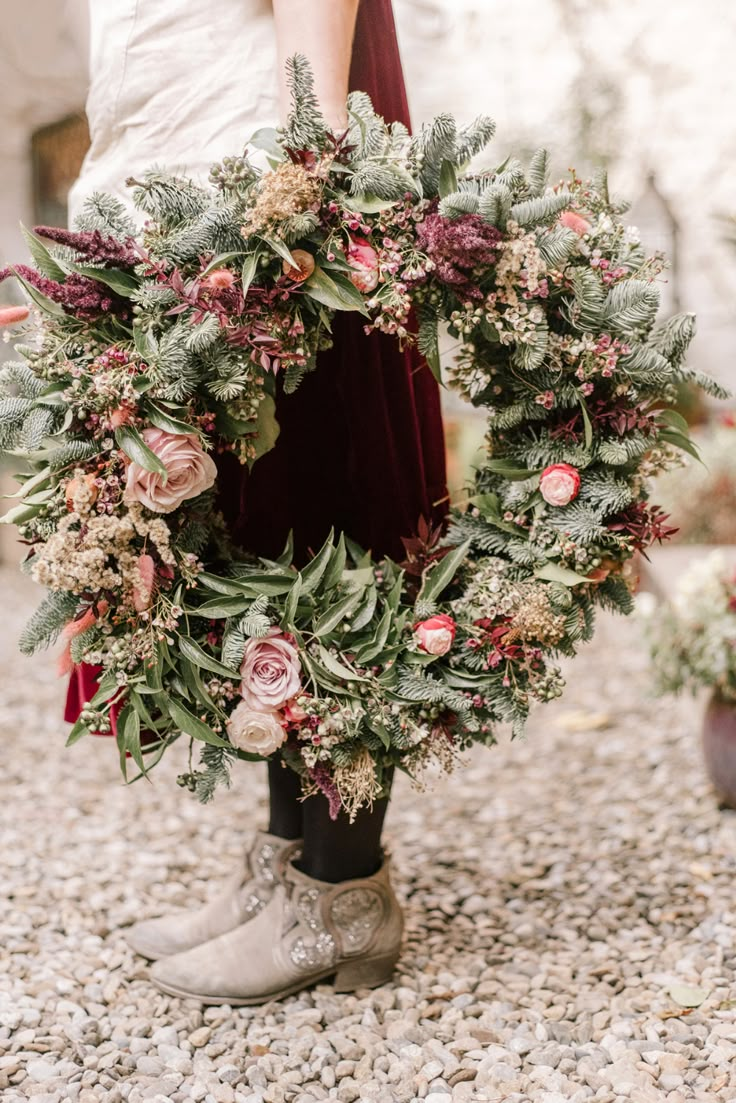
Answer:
[(719, 747)]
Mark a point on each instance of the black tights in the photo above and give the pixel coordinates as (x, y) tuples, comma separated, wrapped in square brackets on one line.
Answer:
[(333, 850)]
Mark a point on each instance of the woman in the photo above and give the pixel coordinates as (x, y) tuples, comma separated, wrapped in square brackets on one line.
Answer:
[(360, 449)]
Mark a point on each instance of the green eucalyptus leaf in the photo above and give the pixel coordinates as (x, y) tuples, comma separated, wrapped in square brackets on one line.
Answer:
[(340, 670), (292, 603), (250, 268), (337, 613), (192, 726), (163, 420), (553, 572), (334, 291), (122, 283), (315, 569), (197, 655), (336, 566), (438, 576), (48, 306), (47, 264), (221, 607)]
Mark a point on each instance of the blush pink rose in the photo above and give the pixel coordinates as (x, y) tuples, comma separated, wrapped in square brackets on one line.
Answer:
[(436, 634), (10, 315), (363, 259), (254, 731), (271, 672), (189, 471), (575, 222), (559, 484)]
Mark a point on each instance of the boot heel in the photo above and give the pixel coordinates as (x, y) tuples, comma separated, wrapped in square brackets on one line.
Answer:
[(367, 972)]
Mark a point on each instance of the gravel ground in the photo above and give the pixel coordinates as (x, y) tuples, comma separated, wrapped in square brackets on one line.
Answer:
[(565, 897)]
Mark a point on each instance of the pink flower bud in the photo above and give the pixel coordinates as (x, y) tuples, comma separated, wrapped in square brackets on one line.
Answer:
[(575, 222), (559, 484), (142, 591), (10, 315)]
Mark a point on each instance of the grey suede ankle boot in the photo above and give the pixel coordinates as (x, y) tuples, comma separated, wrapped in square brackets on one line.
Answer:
[(244, 895), (307, 932)]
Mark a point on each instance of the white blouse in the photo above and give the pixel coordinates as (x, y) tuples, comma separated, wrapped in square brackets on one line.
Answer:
[(174, 83)]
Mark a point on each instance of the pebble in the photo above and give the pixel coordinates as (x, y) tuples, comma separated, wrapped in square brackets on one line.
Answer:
[(552, 897)]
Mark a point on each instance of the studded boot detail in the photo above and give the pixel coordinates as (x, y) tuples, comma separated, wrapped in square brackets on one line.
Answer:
[(309, 931), (242, 898)]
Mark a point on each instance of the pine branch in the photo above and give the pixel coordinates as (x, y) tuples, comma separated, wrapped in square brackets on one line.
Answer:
[(538, 172), (305, 125), (107, 214), (56, 610)]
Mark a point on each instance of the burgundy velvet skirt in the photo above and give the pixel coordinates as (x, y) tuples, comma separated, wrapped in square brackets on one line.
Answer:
[(361, 447)]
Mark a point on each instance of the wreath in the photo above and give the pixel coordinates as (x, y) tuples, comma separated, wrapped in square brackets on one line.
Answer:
[(147, 348)]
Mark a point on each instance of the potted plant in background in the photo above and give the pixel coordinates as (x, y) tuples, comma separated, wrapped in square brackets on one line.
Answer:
[(693, 644)]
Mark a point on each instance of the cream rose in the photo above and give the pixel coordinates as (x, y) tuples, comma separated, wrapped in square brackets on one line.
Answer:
[(435, 635), (271, 672), (253, 731), (189, 471)]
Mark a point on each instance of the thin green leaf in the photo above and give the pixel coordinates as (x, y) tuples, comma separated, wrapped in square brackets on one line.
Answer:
[(250, 267), (46, 263), (122, 283), (291, 604), (192, 651), (192, 726), (336, 566), (312, 573), (131, 442), (335, 291), (221, 607), (163, 420), (448, 179), (219, 261), (587, 423), (340, 670), (372, 650), (553, 572), (42, 301), (440, 575), (337, 613)]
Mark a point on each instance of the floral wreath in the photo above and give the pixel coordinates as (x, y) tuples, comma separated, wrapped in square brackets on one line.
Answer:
[(155, 345)]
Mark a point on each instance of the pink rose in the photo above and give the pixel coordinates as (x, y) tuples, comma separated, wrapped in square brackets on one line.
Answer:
[(9, 315), (363, 259), (189, 471), (219, 279), (271, 672), (559, 484), (575, 222), (435, 635), (253, 731), (293, 713)]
